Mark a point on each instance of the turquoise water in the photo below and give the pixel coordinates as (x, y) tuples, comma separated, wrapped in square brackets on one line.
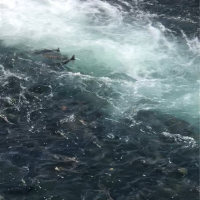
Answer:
[(119, 122), (126, 50)]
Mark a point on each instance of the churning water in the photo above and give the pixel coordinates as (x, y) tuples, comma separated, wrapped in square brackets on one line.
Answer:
[(114, 46), (136, 67)]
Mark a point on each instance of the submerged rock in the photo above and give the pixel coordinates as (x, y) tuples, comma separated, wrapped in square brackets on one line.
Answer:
[(182, 171), (163, 122), (40, 88)]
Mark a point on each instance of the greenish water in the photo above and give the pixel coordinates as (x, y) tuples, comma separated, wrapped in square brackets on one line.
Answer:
[(125, 49), (120, 122)]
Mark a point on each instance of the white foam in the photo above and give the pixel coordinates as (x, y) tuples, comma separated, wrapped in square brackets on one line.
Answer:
[(187, 141), (104, 43)]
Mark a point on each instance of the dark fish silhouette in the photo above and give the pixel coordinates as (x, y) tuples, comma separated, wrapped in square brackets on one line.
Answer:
[(52, 57), (38, 52), (17, 190)]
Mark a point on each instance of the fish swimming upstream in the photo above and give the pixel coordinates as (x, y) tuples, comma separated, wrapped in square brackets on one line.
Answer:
[(43, 51), (52, 57)]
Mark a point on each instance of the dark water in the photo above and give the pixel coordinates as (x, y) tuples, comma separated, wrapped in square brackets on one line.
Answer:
[(59, 141)]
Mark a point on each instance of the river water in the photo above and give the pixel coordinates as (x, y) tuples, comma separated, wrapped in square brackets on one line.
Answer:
[(119, 122)]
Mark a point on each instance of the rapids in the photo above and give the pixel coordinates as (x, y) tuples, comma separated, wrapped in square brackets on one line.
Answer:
[(136, 57), (121, 121)]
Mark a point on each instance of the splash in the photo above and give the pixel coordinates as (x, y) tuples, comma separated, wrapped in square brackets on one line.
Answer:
[(137, 61)]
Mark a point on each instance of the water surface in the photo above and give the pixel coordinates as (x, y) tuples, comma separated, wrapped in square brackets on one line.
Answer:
[(121, 122)]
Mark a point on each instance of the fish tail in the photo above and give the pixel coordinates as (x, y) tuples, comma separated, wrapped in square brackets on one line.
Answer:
[(72, 58)]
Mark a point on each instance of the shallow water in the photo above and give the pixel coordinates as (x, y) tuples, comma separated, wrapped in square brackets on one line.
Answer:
[(121, 122)]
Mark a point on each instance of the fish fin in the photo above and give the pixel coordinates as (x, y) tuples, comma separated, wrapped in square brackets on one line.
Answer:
[(73, 57)]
